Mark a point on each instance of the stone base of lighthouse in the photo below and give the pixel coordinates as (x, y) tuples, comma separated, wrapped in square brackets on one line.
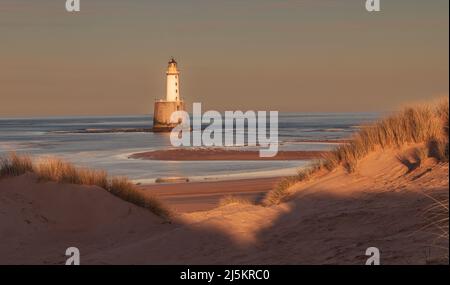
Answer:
[(161, 115)]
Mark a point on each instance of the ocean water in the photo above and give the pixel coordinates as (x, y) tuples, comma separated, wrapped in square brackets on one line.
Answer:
[(42, 137)]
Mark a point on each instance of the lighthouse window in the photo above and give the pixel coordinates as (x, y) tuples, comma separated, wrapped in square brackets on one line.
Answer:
[(176, 84)]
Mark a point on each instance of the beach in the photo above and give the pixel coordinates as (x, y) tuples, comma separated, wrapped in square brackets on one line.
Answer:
[(203, 196), (185, 196), (330, 219)]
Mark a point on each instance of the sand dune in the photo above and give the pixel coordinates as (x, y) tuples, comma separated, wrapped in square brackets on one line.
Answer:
[(38, 221), (330, 219)]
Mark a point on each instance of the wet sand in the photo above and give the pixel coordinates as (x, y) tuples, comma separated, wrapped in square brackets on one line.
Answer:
[(222, 154), (203, 196)]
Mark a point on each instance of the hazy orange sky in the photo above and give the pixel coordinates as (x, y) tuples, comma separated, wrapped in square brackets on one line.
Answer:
[(304, 55)]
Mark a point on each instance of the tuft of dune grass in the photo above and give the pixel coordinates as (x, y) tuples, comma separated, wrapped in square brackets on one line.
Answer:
[(15, 165), (230, 199), (424, 123), (438, 149), (57, 170), (420, 154), (277, 195), (437, 220), (415, 158), (442, 110), (123, 188), (437, 214), (281, 191)]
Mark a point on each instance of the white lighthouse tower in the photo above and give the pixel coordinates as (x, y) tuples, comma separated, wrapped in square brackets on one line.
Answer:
[(173, 82), (165, 107)]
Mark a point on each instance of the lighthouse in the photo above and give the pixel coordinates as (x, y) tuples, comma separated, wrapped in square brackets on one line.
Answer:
[(173, 102), (173, 82)]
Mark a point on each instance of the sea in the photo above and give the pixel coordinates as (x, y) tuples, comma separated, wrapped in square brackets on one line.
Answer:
[(65, 137)]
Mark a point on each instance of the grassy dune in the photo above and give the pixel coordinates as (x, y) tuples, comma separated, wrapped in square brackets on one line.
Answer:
[(427, 124), (57, 170)]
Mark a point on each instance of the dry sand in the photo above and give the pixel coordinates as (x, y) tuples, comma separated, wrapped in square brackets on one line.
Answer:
[(331, 219), (201, 196), (38, 221)]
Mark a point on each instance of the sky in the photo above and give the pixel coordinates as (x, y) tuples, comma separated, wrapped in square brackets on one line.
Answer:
[(285, 55)]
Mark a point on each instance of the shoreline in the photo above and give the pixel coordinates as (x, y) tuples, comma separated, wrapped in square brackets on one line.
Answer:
[(106, 131), (216, 154), (270, 174)]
